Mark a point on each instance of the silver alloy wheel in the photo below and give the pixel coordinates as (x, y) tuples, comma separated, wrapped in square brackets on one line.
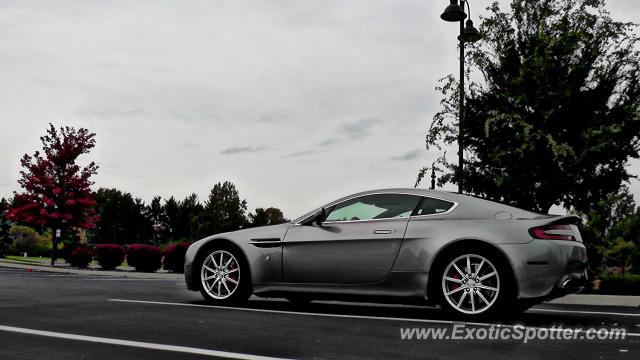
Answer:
[(220, 274), (471, 284)]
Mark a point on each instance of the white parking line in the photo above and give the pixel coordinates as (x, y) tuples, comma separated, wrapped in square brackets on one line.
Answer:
[(137, 344), (585, 312), (292, 312), (124, 279), (427, 321)]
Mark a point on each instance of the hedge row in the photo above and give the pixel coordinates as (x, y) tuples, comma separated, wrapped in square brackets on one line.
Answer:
[(146, 258), (628, 284), (109, 256)]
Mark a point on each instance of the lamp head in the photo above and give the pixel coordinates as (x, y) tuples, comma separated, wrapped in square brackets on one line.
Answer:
[(453, 12), (470, 33)]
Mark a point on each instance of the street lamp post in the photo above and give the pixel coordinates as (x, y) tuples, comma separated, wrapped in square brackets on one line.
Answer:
[(468, 33), (433, 175)]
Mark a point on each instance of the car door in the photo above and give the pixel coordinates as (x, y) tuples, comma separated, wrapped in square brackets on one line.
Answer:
[(357, 243)]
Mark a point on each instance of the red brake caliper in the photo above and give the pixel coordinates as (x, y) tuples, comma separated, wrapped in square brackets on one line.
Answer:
[(456, 276), (233, 275)]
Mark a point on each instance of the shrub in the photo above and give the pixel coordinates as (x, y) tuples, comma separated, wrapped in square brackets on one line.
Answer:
[(620, 284), (80, 256), (67, 248), (109, 256), (5, 246), (25, 239), (5, 239), (145, 258), (45, 245), (174, 257)]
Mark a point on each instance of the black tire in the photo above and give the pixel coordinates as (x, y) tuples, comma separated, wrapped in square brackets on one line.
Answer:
[(242, 290), (501, 306)]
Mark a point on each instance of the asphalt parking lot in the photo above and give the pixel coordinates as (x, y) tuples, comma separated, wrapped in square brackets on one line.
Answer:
[(65, 316)]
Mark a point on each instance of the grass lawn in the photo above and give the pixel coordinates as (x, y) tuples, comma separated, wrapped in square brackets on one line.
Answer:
[(34, 260)]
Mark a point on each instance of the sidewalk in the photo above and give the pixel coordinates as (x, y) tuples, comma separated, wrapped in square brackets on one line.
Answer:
[(593, 299), (66, 269)]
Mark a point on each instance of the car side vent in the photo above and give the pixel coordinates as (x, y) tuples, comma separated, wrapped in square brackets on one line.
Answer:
[(266, 242)]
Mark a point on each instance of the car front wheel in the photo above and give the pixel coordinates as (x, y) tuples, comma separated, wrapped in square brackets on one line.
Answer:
[(224, 277)]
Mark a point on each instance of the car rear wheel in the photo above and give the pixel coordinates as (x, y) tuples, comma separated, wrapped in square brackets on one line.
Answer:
[(224, 277), (474, 284)]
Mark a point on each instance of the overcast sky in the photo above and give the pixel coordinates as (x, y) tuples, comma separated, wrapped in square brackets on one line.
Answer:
[(296, 102)]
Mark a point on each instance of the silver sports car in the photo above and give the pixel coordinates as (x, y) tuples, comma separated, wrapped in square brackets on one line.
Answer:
[(473, 257)]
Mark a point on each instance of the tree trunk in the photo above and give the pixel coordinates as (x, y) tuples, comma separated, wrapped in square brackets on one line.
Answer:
[(54, 250)]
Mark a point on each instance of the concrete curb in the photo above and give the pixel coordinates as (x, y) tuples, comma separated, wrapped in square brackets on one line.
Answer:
[(592, 299), (120, 273)]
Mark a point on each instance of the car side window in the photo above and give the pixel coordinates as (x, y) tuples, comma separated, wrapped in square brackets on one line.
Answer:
[(432, 206), (379, 206)]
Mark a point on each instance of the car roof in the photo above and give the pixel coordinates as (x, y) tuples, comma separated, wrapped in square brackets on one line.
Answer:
[(412, 191)]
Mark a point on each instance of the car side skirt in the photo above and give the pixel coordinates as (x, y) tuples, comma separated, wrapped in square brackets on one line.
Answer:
[(397, 287)]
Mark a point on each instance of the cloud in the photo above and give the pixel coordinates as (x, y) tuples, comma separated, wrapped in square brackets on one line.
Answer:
[(359, 128), (351, 130), (411, 155), (329, 141), (300, 153), (242, 150), (188, 145), (280, 115), (111, 113)]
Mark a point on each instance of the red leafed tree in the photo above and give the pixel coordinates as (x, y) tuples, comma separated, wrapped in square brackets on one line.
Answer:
[(57, 191)]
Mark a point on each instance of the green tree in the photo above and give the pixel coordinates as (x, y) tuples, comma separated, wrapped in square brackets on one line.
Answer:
[(554, 115), (155, 213), (123, 218), (268, 216), (628, 227), (171, 210), (5, 225), (626, 231), (26, 239), (611, 218), (4, 206), (224, 210), (189, 224), (622, 253)]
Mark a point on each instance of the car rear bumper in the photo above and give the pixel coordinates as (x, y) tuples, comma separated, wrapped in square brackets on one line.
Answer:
[(548, 268), (570, 284)]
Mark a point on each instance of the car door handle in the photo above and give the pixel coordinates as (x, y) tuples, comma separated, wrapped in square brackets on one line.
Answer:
[(382, 232)]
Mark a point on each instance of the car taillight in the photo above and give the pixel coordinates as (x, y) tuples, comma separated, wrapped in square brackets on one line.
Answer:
[(553, 232)]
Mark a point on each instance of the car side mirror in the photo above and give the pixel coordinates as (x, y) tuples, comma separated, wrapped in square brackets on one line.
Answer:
[(320, 217), (317, 218)]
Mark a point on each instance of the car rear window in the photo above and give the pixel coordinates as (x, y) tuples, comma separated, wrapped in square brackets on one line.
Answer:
[(430, 206)]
